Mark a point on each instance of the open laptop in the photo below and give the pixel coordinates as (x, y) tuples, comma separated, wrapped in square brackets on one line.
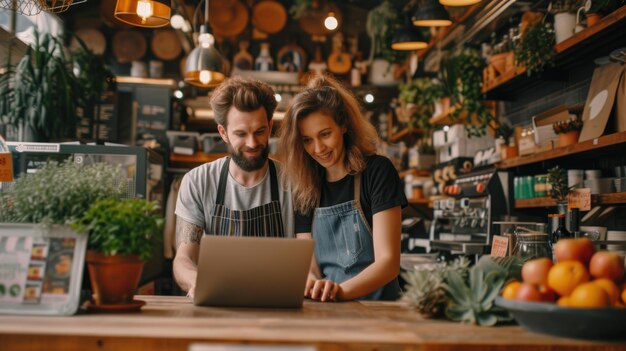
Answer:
[(252, 271)]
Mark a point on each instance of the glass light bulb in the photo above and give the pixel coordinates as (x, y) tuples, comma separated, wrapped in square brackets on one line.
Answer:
[(206, 40), (177, 22), (369, 98), (205, 76), (144, 9), (331, 22), (278, 97)]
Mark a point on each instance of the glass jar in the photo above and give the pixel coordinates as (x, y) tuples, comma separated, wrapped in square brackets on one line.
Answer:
[(531, 245)]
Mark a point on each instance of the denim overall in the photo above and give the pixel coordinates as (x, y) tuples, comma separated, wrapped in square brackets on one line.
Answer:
[(344, 245), (264, 220)]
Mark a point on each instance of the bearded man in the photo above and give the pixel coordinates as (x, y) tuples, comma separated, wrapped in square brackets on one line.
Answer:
[(237, 195)]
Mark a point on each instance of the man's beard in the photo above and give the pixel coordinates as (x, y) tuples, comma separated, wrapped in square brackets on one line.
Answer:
[(248, 164)]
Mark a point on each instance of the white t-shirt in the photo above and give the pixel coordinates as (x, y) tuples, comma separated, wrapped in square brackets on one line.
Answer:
[(198, 191)]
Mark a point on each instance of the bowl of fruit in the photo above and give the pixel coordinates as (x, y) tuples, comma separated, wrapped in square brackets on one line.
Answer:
[(582, 295)]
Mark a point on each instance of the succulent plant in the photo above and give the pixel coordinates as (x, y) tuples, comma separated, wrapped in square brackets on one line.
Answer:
[(568, 125), (472, 300)]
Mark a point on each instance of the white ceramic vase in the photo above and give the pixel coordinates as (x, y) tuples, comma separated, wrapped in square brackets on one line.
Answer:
[(564, 24)]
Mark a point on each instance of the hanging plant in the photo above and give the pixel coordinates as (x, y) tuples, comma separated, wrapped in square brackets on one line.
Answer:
[(536, 49), (419, 94), (382, 23)]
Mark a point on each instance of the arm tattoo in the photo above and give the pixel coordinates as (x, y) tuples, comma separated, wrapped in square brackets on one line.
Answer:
[(187, 233)]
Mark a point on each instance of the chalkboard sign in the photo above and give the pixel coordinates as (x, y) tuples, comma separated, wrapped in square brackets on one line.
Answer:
[(41, 269)]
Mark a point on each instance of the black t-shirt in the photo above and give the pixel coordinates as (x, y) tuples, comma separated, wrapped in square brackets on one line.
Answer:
[(381, 189)]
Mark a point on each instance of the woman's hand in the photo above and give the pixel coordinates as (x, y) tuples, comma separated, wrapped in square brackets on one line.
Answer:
[(321, 289)]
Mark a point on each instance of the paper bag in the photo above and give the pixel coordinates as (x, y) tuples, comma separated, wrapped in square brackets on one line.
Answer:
[(620, 110), (600, 100)]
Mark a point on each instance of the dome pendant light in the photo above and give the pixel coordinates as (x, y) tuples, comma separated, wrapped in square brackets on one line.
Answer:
[(408, 37), (205, 65), (430, 13), (458, 2), (143, 13)]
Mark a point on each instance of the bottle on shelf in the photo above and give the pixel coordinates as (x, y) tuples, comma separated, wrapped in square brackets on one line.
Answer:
[(559, 231)]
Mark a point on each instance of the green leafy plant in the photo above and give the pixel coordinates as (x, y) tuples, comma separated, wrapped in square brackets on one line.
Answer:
[(425, 289), (505, 131), (121, 226), (382, 23), (572, 124), (419, 95), (59, 193), (472, 299), (425, 147), (535, 50), (466, 69), (299, 6), (557, 178), (40, 93)]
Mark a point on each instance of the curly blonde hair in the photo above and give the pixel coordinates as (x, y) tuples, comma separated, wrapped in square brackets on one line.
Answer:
[(326, 95)]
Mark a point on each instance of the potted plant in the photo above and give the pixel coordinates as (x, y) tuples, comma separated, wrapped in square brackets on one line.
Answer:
[(416, 101), (121, 234), (425, 154), (535, 51), (568, 131), (558, 188), (564, 17), (596, 9), (38, 96), (381, 25)]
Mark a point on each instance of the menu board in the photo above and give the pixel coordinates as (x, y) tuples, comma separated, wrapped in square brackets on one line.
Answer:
[(40, 269)]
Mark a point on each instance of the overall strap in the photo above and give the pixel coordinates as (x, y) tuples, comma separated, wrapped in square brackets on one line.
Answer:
[(221, 188), (273, 181)]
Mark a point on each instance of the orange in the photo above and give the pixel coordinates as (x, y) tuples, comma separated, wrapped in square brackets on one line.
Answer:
[(589, 295), (509, 290), (565, 276), (610, 288), (563, 301)]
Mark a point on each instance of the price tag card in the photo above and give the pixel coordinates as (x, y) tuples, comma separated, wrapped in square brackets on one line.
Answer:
[(6, 167), (580, 198), (499, 246)]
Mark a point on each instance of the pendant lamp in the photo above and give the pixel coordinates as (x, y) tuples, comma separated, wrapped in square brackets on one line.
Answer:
[(430, 13), (408, 37), (143, 13), (459, 2), (205, 65)]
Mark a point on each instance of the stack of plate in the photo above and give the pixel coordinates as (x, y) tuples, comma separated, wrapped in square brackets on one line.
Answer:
[(617, 235), (600, 185)]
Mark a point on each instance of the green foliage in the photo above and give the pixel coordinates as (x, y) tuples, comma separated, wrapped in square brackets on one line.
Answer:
[(425, 147), (505, 131), (93, 75), (41, 91), (573, 124), (298, 7), (383, 21), (472, 300), (536, 49), (464, 77), (59, 193), (557, 177), (121, 226), (420, 94), (425, 289)]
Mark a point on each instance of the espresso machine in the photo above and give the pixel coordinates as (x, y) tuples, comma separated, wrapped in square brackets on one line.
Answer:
[(463, 220)]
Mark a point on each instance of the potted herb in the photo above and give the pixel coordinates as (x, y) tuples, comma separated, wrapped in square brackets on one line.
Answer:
[(121, 234), (425, 154), (508, 149), (596, 9), (416, 101), (568, 131), (39, 94), (558, 188)]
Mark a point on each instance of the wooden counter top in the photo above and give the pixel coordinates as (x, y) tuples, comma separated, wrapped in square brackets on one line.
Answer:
[(172, 323)]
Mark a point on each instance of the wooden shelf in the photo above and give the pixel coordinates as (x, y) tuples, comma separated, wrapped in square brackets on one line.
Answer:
[(414, 172), (404, 132), (421, 201), (601, 142), (444, 118), (597, 199), (585, 45), (191, 161)]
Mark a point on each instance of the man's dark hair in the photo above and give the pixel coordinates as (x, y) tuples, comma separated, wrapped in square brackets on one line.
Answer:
[(245, 95)]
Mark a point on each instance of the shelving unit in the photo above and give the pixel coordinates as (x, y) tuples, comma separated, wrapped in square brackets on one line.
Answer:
[(597, 199), (594, 144), (584, 45), (186, 162)]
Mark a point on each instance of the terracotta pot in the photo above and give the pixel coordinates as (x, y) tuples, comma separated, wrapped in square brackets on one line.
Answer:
[(592, 18), (509, 151), (114, 279), (568, 138)]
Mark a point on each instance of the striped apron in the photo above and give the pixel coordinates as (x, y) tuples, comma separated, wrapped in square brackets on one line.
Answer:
[(264, 220)]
